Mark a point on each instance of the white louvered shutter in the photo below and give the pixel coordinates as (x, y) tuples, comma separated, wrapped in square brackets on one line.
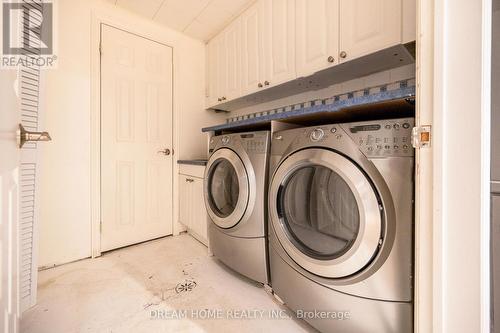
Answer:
[(29, 91)]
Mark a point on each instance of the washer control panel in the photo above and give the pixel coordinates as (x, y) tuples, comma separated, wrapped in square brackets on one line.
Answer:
[(254, 143), (383, 138)]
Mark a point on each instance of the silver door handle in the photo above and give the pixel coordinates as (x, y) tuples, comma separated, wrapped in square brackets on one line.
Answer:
[(24, 136), (165, 151)]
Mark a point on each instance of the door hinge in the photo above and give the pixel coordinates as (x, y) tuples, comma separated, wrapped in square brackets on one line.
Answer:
[(421, 137)]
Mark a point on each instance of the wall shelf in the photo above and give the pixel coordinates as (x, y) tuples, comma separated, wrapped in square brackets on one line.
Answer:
[(366, 105)]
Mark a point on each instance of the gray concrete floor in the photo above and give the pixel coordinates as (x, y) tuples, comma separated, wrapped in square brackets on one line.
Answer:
[(140, 288)]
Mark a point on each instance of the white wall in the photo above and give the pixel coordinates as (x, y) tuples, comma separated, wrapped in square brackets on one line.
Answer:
[(65, 195)]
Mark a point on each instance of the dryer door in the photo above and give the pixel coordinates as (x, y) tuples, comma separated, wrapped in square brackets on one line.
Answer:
[(226, 188), (325, 213)]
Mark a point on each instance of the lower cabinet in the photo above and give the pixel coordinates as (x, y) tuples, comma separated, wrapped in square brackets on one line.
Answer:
[(192, 212)]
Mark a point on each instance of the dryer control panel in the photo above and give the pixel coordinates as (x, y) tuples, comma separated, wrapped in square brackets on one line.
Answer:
[(251, 142), (383, 138)]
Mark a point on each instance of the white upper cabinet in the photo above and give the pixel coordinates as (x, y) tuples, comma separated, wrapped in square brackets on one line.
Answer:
[(232, 36), (224, 61), (276, 41), (221, 74), (212, 60), (252, 51), (317, 35), (217, 73), (367, 26), (279, 41)]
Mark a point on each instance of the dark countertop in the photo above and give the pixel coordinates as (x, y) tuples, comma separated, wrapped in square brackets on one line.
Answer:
[(201, 162), (374, 103)]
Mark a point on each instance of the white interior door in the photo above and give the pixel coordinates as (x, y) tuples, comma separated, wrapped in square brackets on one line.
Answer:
[(9, 222), (136, 139)]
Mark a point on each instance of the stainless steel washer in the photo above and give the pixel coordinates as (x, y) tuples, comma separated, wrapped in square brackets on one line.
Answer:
[(341, 224), (235, 196)]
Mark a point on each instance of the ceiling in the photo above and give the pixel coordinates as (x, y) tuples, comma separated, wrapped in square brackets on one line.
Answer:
[(200, 19)]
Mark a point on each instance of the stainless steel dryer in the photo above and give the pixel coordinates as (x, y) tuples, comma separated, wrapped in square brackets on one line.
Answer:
[(341, 225), (235, 197)]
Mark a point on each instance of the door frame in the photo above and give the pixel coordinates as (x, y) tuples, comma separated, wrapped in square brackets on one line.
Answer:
[(97, 20), (442, 226)]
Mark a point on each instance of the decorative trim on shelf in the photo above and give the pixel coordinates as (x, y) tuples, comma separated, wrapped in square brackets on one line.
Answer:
[(366, 96)]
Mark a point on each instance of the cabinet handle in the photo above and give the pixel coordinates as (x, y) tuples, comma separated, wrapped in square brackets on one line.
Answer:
[(331, 59), (219, 99), (189, 180), (266, 83), (223, 98), (260, 85), (343, 54)]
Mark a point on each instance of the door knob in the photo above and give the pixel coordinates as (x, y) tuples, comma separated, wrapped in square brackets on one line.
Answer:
[(331, 59), (266, 83), (165, 151), (259, 85), (24, 136), (343, 54)]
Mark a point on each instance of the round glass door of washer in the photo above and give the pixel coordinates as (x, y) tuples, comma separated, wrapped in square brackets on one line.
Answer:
[(325, 213)]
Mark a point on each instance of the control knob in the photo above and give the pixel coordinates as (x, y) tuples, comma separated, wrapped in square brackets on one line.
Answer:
[(317, 134)]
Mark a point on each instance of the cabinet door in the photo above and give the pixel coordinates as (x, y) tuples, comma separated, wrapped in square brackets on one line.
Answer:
[(252, 53), (232, 36), (212, 74), (221, 67), (317, 35), (199, 212), (367, 26), (279, 41), (184, 200)]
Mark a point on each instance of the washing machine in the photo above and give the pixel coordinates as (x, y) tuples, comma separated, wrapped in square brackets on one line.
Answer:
[(235, 188), (341, 225)]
